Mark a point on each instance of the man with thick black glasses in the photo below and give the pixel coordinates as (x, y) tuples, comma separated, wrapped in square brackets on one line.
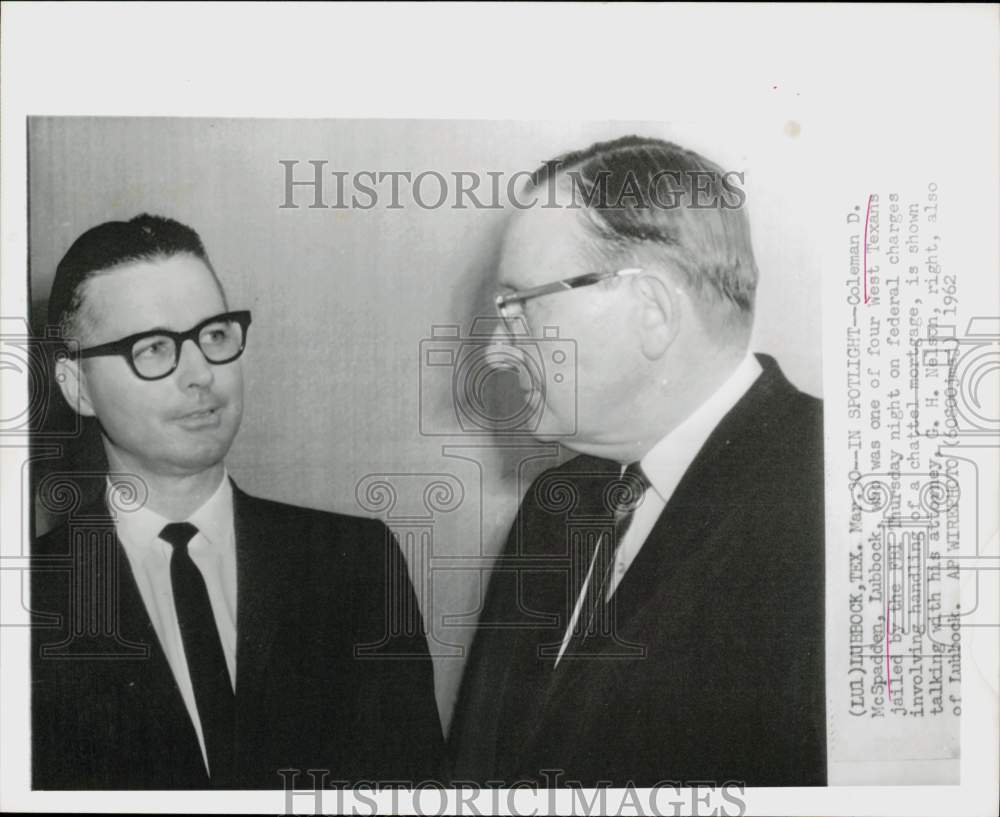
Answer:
[(247, 636), (657, 613)]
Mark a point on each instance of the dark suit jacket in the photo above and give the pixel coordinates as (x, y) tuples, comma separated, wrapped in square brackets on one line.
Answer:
[(312, 587), (724, 604)]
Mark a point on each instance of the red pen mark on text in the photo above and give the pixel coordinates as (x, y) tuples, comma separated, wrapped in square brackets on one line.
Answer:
[(868, 212)]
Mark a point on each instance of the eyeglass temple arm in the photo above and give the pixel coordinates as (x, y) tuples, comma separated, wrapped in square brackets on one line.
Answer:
[(569, 283)]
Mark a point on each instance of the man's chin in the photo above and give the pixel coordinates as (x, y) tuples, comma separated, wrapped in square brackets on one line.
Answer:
[(548, 436), (205, 446), (193, 460), (552, 434)]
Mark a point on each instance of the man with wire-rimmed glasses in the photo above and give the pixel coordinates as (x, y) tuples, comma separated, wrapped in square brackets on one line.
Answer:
[(657, 613), (191, 636)]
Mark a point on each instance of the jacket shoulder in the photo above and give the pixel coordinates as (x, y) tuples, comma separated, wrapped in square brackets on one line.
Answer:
[(317, 537), (55, 541), (798, 430), (299, 516)]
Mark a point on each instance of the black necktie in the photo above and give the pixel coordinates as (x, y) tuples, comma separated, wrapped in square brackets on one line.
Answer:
[(213, 692), (622, 496)]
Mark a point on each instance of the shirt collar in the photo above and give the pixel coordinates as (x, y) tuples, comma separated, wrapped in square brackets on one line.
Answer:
[(667, 461), (214, 519)]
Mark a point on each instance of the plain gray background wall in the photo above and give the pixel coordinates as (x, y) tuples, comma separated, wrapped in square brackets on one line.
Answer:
[(342, 299)]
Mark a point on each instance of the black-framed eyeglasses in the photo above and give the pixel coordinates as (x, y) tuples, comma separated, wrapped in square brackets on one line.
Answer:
[(511, 304), (155, 354)]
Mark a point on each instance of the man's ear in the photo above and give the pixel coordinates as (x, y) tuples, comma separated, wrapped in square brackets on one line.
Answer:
[(659, 314), (73, 384)]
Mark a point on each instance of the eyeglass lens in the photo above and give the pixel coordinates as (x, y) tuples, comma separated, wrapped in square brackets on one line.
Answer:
[(156, 355)]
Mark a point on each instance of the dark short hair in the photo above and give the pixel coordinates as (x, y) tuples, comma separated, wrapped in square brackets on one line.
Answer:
[(111, 245), (620, 182)]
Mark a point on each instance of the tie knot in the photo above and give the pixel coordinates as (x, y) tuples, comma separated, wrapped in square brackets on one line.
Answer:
[(634, 472), (628, 490), (178, 534)]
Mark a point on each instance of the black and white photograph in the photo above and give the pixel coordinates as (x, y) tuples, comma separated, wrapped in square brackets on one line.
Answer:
[(372, 453)]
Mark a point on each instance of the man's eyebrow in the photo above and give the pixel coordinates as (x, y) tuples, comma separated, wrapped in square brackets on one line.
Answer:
[(157, 330), (154, 330), (164, 329)]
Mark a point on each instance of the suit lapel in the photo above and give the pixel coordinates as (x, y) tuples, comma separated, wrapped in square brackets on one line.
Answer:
[(261, 593)]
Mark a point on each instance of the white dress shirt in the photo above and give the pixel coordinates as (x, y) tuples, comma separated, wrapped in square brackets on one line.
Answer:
[(664, 466), (213, 550)]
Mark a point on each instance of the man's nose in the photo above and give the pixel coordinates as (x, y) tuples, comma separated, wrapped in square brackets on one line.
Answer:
[(193, 369)]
